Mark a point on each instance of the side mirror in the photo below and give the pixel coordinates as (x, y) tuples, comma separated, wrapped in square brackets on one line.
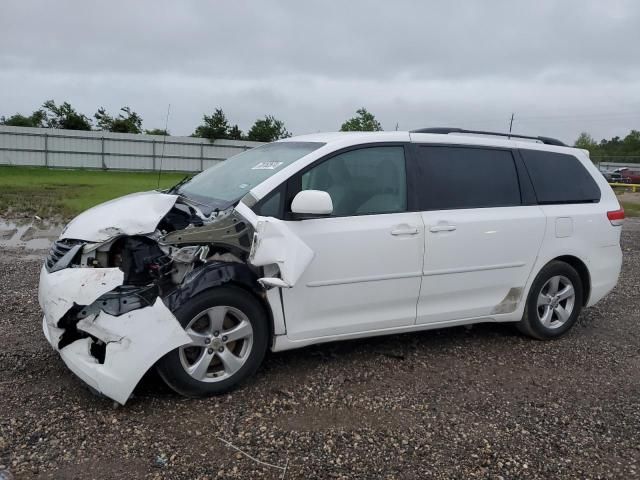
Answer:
[(312, 203)]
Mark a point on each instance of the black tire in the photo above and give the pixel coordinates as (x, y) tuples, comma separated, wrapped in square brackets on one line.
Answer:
[(531, 324), (170, 367)]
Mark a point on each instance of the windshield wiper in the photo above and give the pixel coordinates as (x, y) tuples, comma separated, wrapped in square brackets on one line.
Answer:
[(177, 186)]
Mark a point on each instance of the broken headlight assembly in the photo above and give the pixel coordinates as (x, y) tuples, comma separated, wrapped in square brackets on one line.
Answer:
[(63, 254)]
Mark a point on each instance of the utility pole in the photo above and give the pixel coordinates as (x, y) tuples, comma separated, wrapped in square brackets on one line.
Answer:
[(511, 123)]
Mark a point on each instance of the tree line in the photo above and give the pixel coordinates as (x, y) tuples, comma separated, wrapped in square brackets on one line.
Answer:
[(629, 146), (267, 129), (214, 126)]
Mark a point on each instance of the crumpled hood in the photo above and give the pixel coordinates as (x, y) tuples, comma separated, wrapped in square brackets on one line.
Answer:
[(134, 214)]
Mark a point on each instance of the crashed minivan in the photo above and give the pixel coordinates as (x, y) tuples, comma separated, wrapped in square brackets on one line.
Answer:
[(328, 237)]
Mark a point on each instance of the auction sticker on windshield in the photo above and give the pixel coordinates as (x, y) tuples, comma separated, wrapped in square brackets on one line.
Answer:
[(267, 165)]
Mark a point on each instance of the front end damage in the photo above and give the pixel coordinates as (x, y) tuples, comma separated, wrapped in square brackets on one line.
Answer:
[(109, 291)]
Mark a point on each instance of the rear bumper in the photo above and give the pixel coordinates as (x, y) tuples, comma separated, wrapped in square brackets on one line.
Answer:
[(132, 341), (604, 267)]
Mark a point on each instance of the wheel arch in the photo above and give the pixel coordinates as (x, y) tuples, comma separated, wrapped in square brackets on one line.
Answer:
[(583, 272), (217, 274), (262, 300)]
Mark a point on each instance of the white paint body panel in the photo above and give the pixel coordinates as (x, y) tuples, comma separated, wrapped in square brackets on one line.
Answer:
[(469, 270), (464, 281), (364, 275), (134, 214)]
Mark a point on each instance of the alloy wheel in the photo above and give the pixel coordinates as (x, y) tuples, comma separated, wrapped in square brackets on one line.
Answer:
[(556, 301), (222, 338)]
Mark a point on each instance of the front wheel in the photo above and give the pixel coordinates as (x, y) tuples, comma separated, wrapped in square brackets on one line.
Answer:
[(229, 333), (554, 302)]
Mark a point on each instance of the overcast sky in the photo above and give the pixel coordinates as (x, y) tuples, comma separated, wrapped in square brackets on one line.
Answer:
[(562, 66)]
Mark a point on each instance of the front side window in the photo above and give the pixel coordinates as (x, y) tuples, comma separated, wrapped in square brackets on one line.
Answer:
[(227, 182), (365, 181), (463, 177)]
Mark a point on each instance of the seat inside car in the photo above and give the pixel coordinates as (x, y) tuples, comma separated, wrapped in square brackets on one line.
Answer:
[(388, 194)]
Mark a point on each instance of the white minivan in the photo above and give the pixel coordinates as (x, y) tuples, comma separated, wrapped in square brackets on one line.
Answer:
[(329, 237)]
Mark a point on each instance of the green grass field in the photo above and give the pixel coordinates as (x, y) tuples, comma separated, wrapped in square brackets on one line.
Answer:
[(59, 193)]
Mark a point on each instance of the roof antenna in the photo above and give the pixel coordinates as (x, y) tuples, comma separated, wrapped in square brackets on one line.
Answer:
[(511, 124), (164, 141)]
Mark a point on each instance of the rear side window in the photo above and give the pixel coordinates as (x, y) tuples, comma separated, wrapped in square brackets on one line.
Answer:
[(461, 177), (559, 178)]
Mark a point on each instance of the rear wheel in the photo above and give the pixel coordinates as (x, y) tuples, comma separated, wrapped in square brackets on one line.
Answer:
[(554, 302), (228, 329)]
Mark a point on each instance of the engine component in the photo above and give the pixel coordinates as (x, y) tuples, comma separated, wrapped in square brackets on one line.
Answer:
[(184, 259), (141, 260), (231, 231)]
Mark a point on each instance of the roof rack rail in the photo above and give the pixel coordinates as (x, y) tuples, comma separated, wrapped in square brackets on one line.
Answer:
[(447, 130)]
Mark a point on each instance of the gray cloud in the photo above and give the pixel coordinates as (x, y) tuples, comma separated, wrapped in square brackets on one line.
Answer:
[(561, 66)]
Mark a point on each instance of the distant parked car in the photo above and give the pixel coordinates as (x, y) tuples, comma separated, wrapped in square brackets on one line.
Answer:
[(615, 176), (630, 176)]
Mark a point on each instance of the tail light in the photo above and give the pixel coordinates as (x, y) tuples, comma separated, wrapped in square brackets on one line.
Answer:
[(616, 217)]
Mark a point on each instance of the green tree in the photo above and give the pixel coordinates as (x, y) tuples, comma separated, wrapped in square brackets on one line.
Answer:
[(235, 133), (36, 119), (214, 126), (364, 121), (631, 143), (126, 122), (586, 142), (268, 129), (157, 131), (64, 116)]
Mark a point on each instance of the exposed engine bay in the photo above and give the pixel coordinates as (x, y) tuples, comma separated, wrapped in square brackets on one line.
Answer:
[(181, 243)]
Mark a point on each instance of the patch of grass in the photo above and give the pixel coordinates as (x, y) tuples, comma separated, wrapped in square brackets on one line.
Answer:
[(65, 193), (631, 209)]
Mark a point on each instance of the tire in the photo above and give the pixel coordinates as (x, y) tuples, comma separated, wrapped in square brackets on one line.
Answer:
[(552, 309), (230, 332)]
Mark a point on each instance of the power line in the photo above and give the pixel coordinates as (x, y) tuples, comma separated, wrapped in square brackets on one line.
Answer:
[(562, 117)]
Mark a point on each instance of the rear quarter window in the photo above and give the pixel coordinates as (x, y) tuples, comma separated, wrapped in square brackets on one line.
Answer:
[(559, 178)]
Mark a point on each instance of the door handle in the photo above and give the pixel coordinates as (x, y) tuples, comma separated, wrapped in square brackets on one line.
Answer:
[(442, 228), (404, 230)]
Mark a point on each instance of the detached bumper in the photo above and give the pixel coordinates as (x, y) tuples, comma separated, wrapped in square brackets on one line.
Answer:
[(132, 342)]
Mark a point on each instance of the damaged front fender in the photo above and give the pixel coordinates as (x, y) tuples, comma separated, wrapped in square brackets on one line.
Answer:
[(275, 244)]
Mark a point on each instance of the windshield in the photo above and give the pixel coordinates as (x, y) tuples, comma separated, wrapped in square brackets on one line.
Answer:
[(228, 181)]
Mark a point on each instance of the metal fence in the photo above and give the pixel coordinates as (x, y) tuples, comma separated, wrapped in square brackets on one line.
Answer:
[(611, 163), (119, 151)]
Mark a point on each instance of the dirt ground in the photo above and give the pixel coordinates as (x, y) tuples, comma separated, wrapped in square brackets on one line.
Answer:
[(632, 197), (460, 403)]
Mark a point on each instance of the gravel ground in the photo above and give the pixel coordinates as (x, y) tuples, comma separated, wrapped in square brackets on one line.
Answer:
[(465, 403)]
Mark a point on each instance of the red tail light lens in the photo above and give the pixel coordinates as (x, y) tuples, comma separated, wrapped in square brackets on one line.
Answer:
[(616, 217)]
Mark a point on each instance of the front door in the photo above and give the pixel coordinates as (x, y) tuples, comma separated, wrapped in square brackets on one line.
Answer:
[(367, 265)]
